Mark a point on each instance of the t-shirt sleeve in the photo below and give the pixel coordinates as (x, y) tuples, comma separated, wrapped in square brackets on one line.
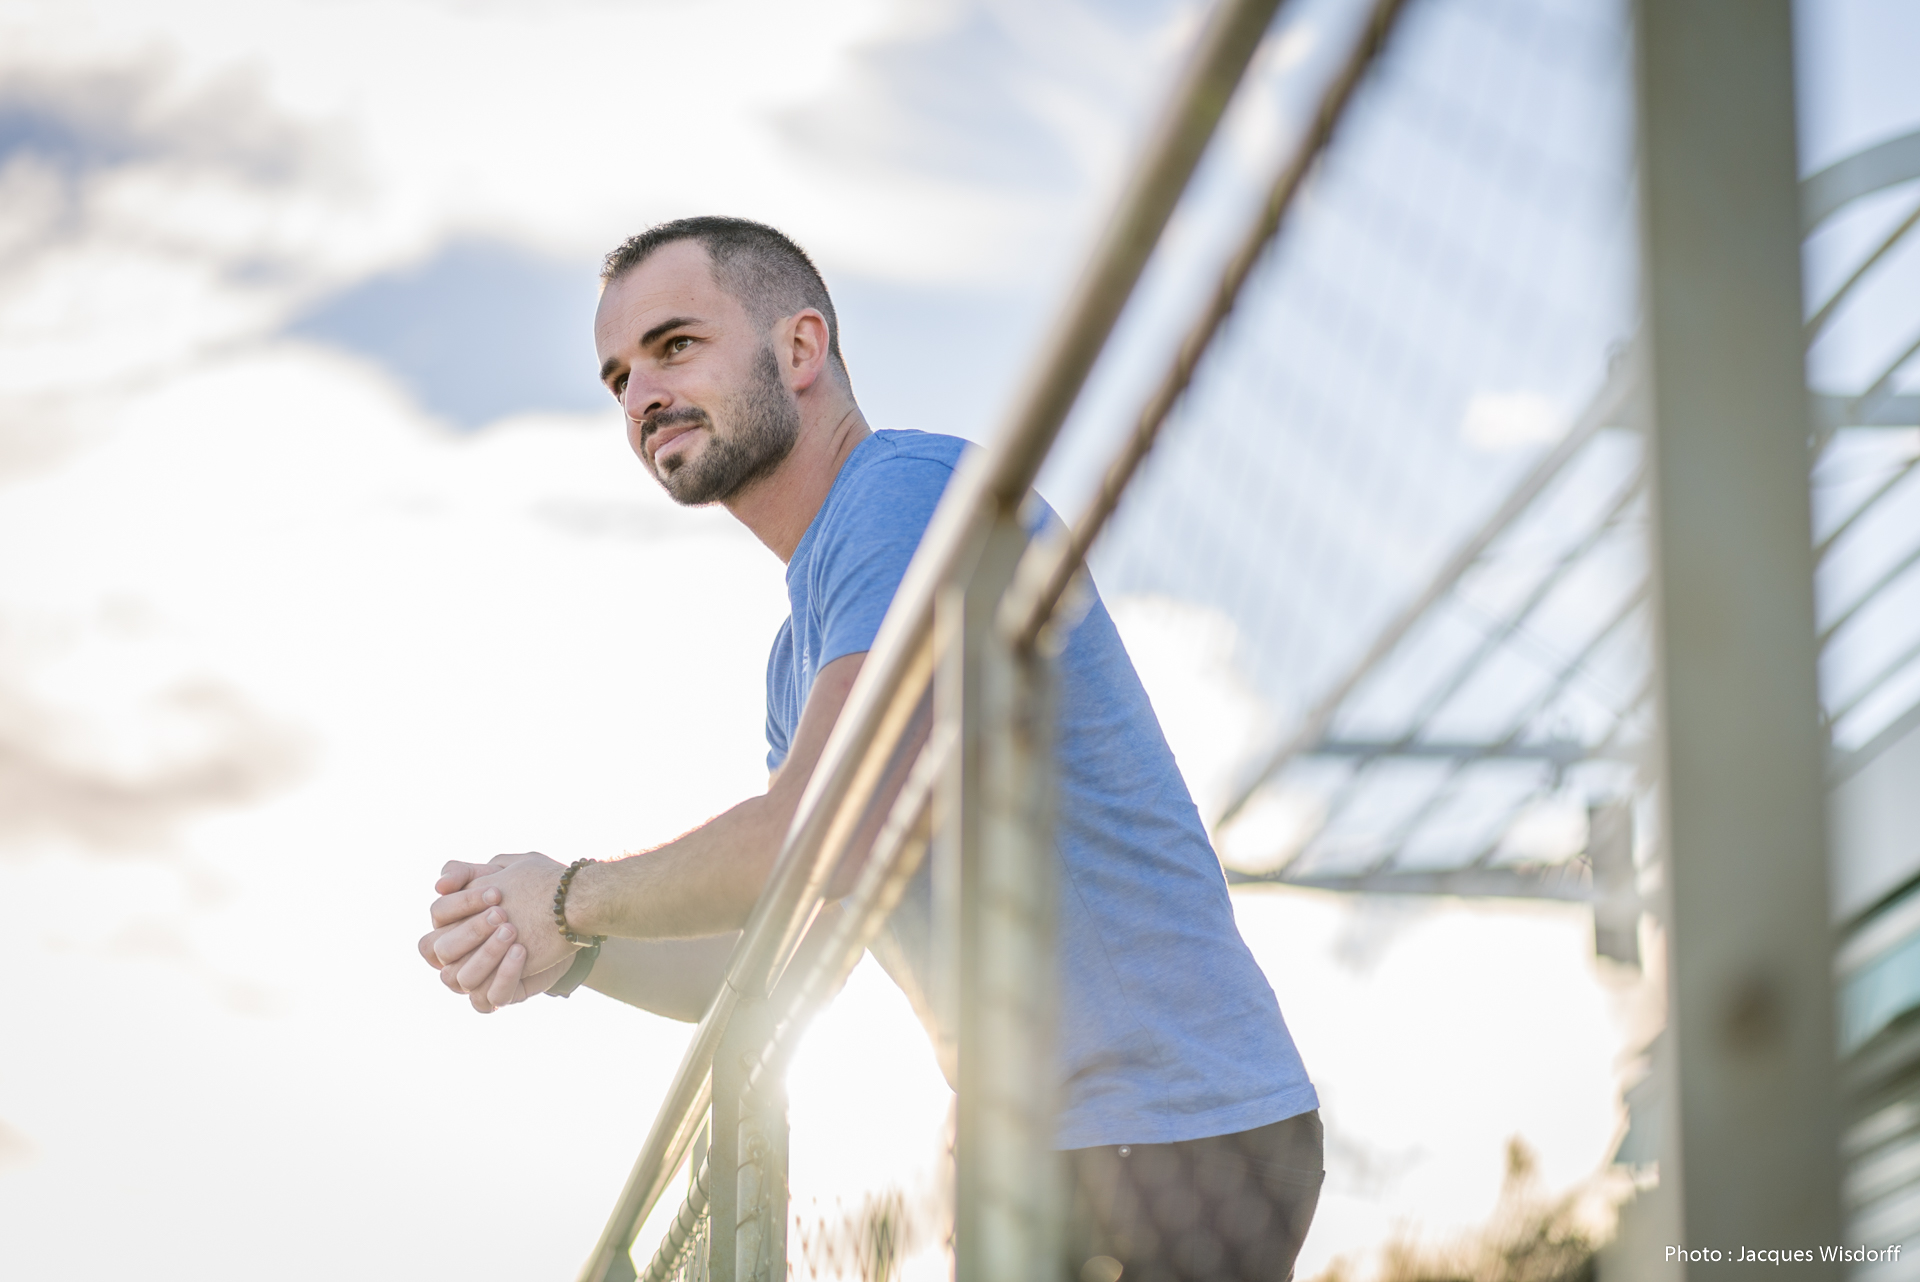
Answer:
[(874, 534), (779, 696)]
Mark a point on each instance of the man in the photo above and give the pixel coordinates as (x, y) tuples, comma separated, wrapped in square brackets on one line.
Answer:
[(1188, 1119)]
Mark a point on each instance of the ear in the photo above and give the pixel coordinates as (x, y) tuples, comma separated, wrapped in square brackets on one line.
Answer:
[(803, 352)]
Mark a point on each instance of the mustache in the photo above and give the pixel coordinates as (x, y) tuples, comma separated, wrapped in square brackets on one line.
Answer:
[(670, 418)]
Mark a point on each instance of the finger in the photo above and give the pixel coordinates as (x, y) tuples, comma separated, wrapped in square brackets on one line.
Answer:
[(478, 969), (449, 909), (475, 972), (505, 988), (454, 952), (456, 941), (535, 984), (456, 873)]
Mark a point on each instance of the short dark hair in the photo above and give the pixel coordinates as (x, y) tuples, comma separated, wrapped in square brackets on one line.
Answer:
[(759, 265)]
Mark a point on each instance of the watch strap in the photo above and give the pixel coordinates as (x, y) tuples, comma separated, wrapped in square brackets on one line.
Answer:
[(577, 973)]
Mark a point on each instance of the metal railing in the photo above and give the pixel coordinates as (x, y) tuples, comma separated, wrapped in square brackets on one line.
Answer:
[(944, 743)]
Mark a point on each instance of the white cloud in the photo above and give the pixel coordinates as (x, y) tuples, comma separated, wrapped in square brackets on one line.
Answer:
[(1511, 420), (1546, 832), (1272, 828), (572, 125), (1213, 717)]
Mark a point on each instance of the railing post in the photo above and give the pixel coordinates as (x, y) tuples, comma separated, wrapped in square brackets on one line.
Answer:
[(747, 1156), (994, 874), (723, 1163), (760, 1235), (1752, 1151)]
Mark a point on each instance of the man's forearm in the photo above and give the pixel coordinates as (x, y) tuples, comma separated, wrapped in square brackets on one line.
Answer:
[(672, 977), (704, 883), (678, 977)]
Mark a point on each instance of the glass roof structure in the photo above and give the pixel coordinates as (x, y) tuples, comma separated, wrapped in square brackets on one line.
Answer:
[(1411, 476)]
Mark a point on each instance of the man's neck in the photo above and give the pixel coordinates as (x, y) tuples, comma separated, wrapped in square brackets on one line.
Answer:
[(780, 506)]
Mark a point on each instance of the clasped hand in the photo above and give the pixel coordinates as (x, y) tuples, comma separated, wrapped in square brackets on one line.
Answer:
[(494, 937)]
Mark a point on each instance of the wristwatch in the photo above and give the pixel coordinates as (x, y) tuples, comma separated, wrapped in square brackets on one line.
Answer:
[(577, 973)]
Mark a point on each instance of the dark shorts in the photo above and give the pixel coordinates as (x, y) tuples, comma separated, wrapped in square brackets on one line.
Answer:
[(1227, 1208)]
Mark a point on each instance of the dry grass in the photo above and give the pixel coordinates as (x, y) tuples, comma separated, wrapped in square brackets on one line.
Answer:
[(1529, 1237), (868, 1242)]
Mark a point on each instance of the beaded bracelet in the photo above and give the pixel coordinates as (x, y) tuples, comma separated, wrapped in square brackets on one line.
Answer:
[(560, 906)]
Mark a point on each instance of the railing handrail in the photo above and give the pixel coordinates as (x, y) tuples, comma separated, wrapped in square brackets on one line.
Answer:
[(989, 483)]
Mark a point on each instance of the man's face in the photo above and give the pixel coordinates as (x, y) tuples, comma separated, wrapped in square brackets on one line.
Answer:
[(707, 411)]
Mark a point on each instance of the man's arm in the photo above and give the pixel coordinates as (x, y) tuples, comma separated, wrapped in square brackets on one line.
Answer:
[(678, 977), (672, 977), (701, 884)]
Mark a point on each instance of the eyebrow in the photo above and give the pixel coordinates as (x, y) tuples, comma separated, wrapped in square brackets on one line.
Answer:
[(647, 340)]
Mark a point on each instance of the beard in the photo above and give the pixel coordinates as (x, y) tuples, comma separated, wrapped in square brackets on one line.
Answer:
[(763, 423)]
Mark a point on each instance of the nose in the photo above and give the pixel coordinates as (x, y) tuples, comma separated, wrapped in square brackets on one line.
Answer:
[(643, 398)]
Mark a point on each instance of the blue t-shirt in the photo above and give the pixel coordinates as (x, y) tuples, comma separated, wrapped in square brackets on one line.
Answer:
[(1168, 1029)]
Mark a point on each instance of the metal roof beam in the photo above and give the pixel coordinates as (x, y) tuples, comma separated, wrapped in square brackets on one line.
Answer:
[(1568, 882), (1608, 408), (1562, 752), (1889, 164)]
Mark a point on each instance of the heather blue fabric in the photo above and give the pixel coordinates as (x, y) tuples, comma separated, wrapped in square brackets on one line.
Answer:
[(1168, 1029)]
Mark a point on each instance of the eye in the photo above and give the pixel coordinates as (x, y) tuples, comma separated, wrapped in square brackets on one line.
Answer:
[(620, 386), (678, 344)]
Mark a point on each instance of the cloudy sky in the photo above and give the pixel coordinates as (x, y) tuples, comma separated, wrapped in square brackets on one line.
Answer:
[(328, 564)]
